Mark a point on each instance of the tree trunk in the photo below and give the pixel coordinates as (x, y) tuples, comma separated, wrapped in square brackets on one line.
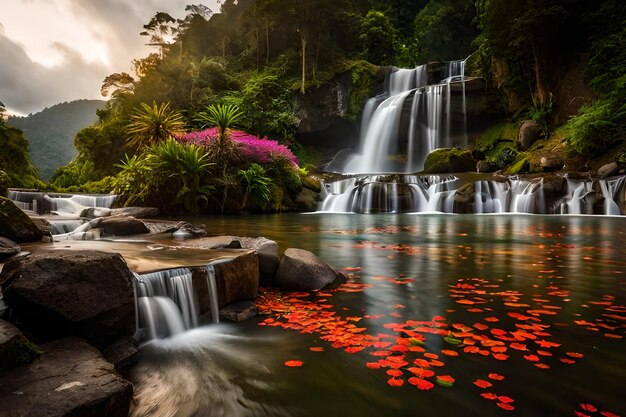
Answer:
[(303, 44), (541, 93), (267, 41), (257, 43), (317, 52)]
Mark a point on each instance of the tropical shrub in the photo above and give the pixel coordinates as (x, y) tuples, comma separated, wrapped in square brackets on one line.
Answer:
[(152, 124), (256, 185)]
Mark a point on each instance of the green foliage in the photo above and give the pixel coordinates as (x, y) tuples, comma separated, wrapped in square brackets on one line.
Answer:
[(362, 78), (51, 132), (14, 157), (597, 127), (5, 182), (150, 125), (444, 30), (169, 174), (265, 99), (495, 134), (541, 112), (378, 38), (256, 185)]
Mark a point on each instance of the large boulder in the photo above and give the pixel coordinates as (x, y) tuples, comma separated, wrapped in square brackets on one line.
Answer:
[(137, 212), (307, 200), (529, 132), (71, 379), (266, 249), (8, 248), (449, 160), (236, 276), (15, 224), (120, 226), (63, 292), (608, 170), (301, 270), (15, 349)]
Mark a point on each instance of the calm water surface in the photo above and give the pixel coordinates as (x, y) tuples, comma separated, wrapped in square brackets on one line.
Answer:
[(538, 300)]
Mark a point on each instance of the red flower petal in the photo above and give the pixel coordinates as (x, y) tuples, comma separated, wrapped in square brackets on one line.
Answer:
[(489, 395), (496, 377), (588, 407), (481, 383), (293, 363), (505, 406)]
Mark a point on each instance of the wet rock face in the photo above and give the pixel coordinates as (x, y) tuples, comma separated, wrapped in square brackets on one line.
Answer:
[(15, 224), (15, 349), (70, 379), (301, 270), (8, 248), (81, 293)]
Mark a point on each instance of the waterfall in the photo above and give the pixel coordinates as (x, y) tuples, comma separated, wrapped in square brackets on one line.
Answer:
[(610, 189), (65, 225), (167, 303), (63, 203), (577, 200), (413, 118)]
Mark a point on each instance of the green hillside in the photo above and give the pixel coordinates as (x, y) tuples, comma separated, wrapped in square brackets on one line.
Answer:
[(51, 132)]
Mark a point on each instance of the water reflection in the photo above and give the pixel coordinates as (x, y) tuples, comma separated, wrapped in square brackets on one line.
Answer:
[(567, 269)]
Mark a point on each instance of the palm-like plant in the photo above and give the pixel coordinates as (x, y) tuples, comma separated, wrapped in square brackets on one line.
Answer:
[(257, 185), (150, 125), (182, 166)]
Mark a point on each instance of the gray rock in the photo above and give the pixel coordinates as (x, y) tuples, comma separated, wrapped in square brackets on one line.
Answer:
[(15, 349), (307, 200), (8, 248), (529, 132), (551, 163), (608, 170), (116, 226), (95, 212), (71, 379), (266, 249), (137, 212), (15, 224), (79, 293), (237, 279), (122, 353), (238, 311), (301, 270)]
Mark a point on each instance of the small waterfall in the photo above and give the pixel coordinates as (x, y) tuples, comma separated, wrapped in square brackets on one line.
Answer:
[(577, 201), (63, 203), (65, 226), (212, 287), (610, 189), (166, 302), (527, 196)]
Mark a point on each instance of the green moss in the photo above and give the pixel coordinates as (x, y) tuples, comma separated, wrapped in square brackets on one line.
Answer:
[(502, 132), (443, 161), (18, 351), (520, 166)]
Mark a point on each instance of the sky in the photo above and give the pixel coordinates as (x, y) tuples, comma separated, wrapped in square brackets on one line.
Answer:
[(52, 51)]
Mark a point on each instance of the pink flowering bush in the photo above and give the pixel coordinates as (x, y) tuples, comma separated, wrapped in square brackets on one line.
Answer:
[(253, 149)]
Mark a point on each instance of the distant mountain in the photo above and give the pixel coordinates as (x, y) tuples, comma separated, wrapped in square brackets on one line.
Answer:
[(51, 132)]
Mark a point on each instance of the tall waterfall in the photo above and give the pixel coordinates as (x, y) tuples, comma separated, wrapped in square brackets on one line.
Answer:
[(401, 127)]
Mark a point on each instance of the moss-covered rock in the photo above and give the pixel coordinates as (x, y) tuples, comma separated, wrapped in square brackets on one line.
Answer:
[(520, 166), (449, 160), (15, 224), (15, 349)]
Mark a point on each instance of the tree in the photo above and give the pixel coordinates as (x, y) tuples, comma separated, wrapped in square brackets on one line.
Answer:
[(160, 30), (152, 124), (378, 37), (117, 83)]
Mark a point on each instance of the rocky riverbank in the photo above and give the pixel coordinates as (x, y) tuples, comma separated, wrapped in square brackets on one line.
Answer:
[(68, 324)]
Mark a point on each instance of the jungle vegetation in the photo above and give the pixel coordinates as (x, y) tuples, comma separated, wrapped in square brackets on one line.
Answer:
[(243, 69)]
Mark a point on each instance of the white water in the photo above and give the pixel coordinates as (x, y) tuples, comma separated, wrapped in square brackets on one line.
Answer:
[(167, 303), (389, 142), (212, 287), (434, 193), (610, 189)]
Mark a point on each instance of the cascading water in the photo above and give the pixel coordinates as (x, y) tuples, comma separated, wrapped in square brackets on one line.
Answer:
[(166, 301), (167, 304), (400, 128), (579, 200), (61, 203), (610, 189)]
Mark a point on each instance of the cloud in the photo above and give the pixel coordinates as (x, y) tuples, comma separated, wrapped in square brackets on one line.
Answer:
[(26, 86), (65, 29)]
